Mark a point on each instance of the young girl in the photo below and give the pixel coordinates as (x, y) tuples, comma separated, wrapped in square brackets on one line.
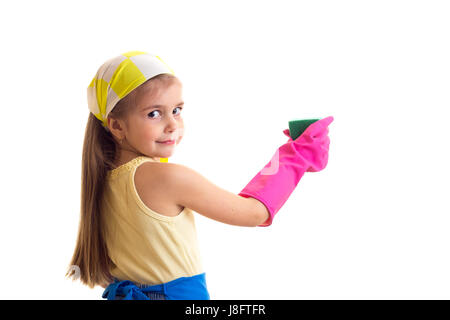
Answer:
[(137, 235)]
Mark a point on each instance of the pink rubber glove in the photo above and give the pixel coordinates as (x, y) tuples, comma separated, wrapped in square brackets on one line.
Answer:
[(275, 182)]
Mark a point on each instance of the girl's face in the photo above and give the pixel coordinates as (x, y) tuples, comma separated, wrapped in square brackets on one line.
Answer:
[(156, 118)]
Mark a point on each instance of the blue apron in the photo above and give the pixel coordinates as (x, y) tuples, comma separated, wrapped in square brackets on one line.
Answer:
[(184, 288)]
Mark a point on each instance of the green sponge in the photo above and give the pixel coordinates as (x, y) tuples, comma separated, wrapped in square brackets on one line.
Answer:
[(296, 127)]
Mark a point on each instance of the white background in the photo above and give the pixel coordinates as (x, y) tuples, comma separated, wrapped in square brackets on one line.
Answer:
[(373, 225)]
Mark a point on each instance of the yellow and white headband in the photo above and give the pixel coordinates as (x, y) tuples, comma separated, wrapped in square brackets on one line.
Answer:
[(118, 76)]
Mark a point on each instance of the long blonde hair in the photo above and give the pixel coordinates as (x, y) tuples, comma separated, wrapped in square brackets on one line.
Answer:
[(90, 262)]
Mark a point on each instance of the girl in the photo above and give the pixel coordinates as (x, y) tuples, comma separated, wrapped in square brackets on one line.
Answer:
[(137, 235)]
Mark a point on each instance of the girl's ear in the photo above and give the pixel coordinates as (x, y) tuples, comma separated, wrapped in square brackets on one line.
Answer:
[(117, 128)]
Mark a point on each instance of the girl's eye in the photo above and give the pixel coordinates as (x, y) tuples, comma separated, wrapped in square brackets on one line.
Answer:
[(150, 114), (179, 108)]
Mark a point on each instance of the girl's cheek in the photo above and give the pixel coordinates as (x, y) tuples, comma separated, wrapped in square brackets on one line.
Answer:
[(150, 137), (180, 135)]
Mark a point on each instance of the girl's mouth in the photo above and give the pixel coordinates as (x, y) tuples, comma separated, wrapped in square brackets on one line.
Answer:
[(167, 142)]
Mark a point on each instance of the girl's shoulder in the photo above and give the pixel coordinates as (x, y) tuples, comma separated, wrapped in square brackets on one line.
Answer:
[(151, 183)]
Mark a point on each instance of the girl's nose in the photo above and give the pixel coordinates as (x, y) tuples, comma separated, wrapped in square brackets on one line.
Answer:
[(171, 124)]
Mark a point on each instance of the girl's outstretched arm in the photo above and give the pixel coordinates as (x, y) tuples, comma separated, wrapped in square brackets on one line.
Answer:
[(187, 188)]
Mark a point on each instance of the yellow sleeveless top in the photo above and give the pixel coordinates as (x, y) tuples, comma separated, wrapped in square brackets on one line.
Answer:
[(146, 247)]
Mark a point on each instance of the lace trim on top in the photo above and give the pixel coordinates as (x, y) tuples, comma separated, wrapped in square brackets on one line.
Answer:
[(128, 166)]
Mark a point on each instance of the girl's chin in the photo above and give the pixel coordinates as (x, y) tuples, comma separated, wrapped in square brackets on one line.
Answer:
[(165, 154)]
